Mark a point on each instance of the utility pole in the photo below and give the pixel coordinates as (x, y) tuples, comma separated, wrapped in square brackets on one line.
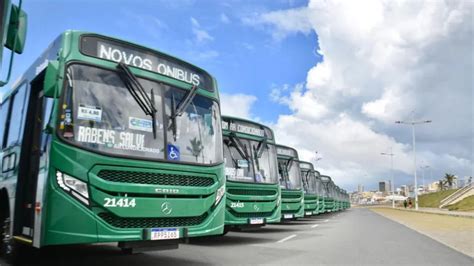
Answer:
[(413, 123), (391, 173)]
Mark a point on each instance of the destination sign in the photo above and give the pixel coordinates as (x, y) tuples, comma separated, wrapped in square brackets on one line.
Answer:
[(286, 152), (153, 61), (306, 165), (243, 127)]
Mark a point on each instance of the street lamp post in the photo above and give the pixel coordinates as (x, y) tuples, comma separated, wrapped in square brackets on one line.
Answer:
[(413, 123), (391, 173)]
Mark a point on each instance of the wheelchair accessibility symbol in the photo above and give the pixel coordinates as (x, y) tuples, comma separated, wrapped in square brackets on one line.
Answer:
[(173, 153)]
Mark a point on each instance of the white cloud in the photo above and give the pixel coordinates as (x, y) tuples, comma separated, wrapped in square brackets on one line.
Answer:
[(200, 35), (238, 105), (224, 18), (382, 59), (205, 55)]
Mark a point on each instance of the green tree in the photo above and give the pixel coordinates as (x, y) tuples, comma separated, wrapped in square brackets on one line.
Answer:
[(449, 179)]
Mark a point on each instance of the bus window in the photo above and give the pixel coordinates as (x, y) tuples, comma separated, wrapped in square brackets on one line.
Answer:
[(3, 119), (16, 112)]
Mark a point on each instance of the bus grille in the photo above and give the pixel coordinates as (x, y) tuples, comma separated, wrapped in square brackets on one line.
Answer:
[(120, 222), (251, 214), (290, 196), (252, 192), (155, 178)]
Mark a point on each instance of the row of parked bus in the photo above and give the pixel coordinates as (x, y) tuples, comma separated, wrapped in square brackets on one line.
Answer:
[(105, 140), (267, 182)]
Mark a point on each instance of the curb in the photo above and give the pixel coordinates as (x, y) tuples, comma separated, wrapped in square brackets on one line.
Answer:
[(431, 212)]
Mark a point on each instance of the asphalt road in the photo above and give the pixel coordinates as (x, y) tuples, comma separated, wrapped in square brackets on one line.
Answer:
[(356, 236)]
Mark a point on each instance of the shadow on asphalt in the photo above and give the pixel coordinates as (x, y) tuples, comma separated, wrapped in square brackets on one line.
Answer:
[(228, 240), (267, 230), (97, 255)]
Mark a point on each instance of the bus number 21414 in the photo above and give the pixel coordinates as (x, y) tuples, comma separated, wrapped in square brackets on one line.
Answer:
[(120, 202)]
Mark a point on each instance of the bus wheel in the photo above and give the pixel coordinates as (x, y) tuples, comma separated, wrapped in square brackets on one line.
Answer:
[(6, 246)]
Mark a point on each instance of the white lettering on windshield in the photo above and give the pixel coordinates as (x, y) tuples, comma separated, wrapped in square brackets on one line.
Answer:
[(125, 140), (129, 58)]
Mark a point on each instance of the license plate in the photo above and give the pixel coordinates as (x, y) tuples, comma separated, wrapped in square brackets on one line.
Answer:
[(256, 221), (309, 213), (164, 233), (287, 216)]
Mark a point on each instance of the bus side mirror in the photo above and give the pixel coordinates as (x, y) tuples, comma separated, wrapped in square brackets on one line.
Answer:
[(51, 79), (16, 36)]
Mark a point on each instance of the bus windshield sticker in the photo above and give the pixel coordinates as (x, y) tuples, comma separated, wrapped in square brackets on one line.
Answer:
[(112, 139), (173, 152), (86, 112), (243, 163), (140, 124)]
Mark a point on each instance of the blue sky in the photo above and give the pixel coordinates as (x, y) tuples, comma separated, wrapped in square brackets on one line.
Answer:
[(382, 60), (210, 34)]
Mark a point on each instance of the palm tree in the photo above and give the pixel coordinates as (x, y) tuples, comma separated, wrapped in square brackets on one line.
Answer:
[(449, 179)]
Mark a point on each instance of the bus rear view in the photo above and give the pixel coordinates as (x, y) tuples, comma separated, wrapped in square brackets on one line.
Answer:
[(253, 193)]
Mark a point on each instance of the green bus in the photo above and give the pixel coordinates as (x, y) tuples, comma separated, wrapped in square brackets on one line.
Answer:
[(292, 200), (319, 192), (328, 193), (337, 198), (105, 140), (251, 169), (310, 188)]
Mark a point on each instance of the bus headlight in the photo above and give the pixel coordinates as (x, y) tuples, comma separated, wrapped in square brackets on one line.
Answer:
[(219, 194), (74, 186)]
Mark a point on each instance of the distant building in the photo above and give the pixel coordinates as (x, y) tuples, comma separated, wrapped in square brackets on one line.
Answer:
[(404, 190), (384, 187), (433, 187)]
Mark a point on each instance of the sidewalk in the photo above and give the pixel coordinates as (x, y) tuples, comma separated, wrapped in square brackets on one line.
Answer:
[(440, 212), (452, 230)]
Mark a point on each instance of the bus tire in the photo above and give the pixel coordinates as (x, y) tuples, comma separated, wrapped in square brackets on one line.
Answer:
[(7, 245)]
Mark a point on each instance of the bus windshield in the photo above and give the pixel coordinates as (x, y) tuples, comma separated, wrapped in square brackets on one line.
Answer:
[(99, 113), (309, 181), (244, 163), (289, 173)]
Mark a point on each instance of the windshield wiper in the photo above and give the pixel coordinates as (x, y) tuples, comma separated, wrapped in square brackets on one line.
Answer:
[(239, 147), (146, 103), (289, 164), (261, 144), (179, 109)]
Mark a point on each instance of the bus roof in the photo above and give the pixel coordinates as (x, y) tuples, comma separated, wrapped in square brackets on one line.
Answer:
[(52, 53), (247, 127), (285, 151), (306, 165)]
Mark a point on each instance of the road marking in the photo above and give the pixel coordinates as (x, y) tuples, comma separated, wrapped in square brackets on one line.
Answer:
[(320, 220), (285, 239), (314, 225)]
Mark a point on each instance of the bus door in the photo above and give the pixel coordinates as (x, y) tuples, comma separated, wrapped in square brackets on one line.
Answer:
[(31, 151)]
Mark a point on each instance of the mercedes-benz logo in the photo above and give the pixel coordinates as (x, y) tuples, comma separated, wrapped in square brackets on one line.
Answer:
[(166, 208), (255, 207), (287, 206)]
